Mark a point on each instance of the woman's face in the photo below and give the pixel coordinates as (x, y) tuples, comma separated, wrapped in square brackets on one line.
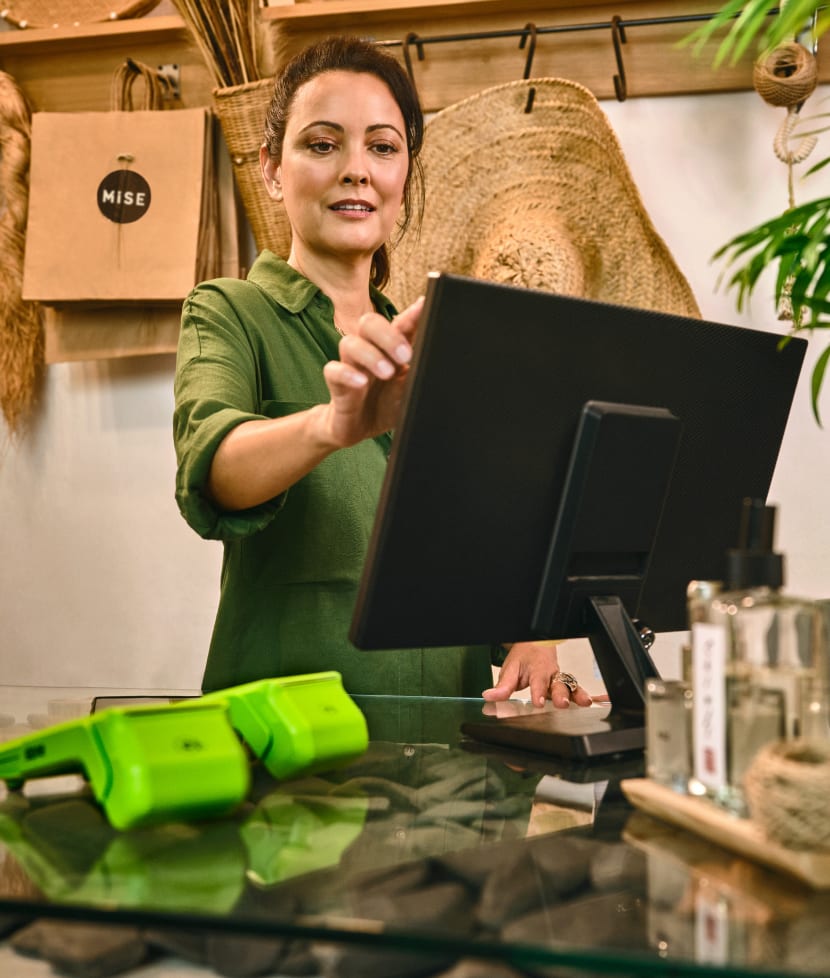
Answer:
[(344, 165)]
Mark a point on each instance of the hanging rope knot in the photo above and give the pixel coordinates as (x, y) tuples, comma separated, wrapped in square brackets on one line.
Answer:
[(786, 76), (782, 138)]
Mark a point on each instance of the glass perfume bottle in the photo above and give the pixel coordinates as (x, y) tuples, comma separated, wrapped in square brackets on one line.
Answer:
[(754, 651)]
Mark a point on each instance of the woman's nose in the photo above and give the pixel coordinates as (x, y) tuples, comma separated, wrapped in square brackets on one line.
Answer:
[(355, 171)]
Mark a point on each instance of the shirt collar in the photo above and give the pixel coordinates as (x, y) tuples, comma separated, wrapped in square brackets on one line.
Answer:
[(276, 277)]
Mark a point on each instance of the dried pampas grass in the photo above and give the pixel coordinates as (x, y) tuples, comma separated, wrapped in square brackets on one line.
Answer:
[(21, 325), (227, 34)]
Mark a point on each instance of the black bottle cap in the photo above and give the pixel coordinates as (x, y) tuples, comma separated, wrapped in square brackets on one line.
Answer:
[(754, 563)]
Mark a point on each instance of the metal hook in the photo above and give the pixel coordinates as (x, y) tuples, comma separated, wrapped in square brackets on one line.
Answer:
[(412, 38), (529, 30), (811, 27), (618, 39)]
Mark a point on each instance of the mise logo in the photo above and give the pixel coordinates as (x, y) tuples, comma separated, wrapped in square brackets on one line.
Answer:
[(123, 196)]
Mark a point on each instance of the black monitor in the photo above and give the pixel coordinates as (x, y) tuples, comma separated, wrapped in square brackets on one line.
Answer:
[(561, 468)]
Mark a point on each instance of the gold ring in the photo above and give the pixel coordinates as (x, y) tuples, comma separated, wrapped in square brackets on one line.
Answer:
[(567, 680)]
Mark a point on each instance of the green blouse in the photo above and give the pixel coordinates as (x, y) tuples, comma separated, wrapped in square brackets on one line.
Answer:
[(291, 566)]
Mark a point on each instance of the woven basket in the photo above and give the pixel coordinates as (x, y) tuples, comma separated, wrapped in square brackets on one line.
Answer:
[(241, 111), (54, 13)]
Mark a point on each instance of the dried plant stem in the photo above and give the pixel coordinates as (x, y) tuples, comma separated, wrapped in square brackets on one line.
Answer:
[(225, 32), (21, 327)]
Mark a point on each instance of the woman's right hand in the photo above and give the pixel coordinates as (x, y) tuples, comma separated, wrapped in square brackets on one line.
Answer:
[(366, 383), (263, 457)]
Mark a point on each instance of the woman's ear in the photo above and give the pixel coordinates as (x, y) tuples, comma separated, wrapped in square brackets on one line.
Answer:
[(271, 175)]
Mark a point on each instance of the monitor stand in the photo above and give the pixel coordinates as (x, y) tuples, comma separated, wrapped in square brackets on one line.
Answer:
[(584, 585), (583, 733)]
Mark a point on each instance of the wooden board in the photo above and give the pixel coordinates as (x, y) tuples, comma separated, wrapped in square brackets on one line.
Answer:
[(739, 835)]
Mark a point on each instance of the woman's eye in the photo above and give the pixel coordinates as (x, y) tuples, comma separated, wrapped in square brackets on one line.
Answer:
[(385, 149), (321, 146)]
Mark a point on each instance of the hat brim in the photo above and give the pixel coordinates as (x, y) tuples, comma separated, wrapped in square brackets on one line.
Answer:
[(555, 172)]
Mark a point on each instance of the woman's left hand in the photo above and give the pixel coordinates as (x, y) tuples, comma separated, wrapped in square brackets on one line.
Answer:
[(536, 664)]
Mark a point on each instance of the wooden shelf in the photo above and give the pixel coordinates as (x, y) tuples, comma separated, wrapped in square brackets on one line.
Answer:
[(333, 11), (112, 33), (70, 68)]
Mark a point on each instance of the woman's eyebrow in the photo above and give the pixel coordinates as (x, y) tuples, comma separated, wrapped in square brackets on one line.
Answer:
[(384, 125), (338, 128), (323, 122)]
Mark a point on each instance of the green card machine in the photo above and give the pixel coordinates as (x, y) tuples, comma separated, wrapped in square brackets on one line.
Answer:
[(296, 724), (184, 760), (143, 764)]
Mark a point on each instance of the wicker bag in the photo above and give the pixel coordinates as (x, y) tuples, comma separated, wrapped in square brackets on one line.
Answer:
[(241, 111)]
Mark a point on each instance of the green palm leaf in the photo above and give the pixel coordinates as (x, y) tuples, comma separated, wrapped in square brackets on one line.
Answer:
[(760, 21), (817, 380), (798, 241)]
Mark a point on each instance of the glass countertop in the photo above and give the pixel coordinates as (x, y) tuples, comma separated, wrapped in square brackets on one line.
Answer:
[(428, 850)]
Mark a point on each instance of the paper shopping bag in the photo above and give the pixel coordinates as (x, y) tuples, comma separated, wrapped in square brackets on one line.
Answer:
[(118, 206)]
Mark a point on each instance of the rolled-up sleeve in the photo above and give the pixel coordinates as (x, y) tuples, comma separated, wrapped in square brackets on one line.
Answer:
[(216, 389)]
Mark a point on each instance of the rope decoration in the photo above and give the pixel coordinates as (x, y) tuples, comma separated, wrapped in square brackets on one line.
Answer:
[(788, 790), (786, 77), (21, 325), (781, 144)]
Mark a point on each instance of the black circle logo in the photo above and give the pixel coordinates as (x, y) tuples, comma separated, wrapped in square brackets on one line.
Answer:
[(123, 196)]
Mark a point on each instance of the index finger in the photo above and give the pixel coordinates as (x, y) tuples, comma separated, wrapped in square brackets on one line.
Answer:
[(407, 320), (393, 339)]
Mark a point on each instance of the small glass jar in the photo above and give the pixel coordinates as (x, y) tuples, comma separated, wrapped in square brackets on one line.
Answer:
[(669, 732)]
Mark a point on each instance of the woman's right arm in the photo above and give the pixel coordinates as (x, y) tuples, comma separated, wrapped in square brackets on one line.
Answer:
[(259, 459)]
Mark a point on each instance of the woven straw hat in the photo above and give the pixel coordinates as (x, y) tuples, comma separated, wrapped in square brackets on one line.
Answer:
[(541, 199)]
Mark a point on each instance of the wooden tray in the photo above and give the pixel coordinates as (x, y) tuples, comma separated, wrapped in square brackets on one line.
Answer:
[(743, 836)]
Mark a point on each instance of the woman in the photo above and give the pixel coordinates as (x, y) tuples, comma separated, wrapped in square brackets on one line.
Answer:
[(287, 386)]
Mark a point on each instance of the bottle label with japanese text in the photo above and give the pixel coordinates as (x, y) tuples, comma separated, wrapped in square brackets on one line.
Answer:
[(709, 655)]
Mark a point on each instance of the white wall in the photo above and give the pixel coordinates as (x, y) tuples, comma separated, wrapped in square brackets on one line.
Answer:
[(706, 171), (102, 582)]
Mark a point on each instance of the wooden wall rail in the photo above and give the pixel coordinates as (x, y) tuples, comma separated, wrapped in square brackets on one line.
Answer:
[(654, 64)]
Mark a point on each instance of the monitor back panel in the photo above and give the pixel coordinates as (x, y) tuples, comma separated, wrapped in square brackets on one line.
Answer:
[(497, 384)]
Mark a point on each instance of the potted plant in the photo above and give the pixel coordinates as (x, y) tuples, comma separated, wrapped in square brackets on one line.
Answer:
[(798, 240)]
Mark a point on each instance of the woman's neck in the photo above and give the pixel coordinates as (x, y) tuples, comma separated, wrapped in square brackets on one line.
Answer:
[(346, 284)]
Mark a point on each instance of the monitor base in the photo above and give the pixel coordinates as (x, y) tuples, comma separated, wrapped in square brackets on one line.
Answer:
[(580, 733)]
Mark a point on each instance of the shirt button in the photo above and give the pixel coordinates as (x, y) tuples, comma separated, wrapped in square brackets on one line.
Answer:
[(409, 751)]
